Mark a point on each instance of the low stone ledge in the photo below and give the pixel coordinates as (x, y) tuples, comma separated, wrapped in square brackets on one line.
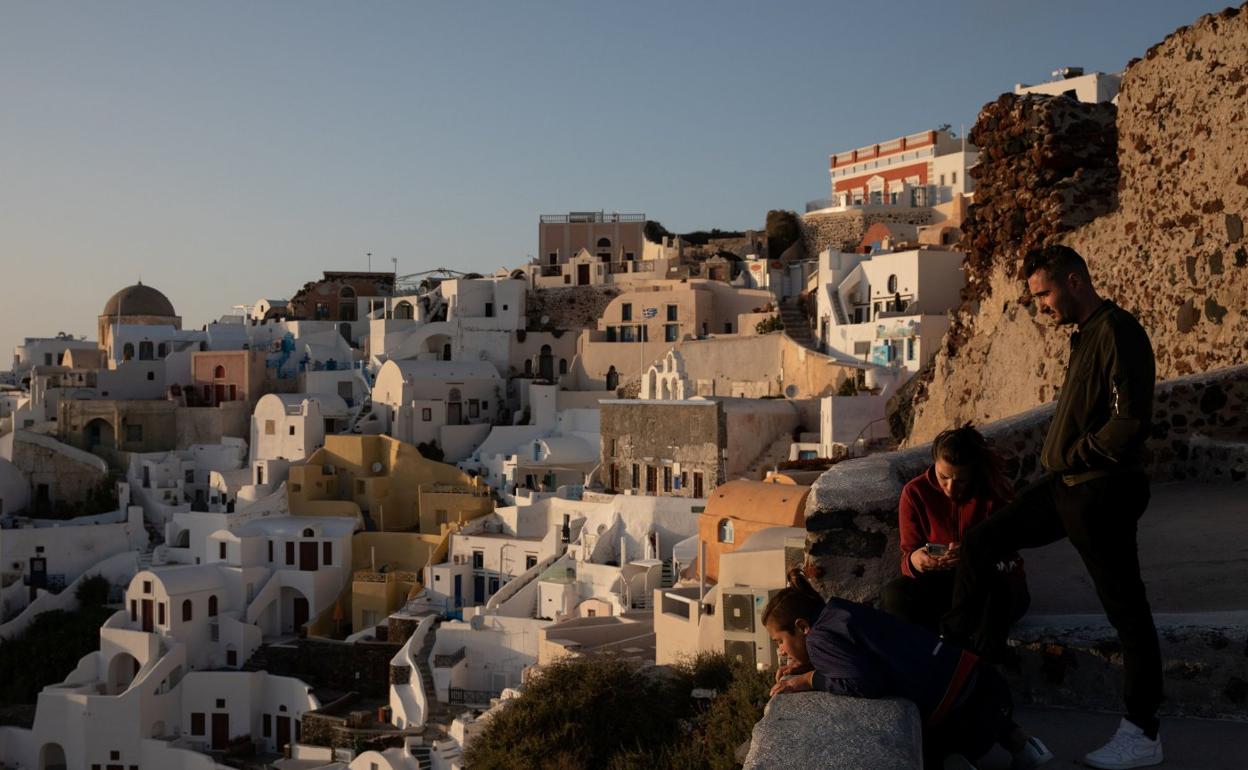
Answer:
[(824, 731), (1075, 661)]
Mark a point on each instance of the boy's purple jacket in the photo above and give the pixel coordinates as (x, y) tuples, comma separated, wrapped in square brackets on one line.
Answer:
[(867, 653)]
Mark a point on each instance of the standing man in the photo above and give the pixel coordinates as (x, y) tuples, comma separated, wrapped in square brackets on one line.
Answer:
[(1094, 492)]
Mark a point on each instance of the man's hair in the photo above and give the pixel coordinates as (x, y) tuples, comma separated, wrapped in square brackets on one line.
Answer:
[(1057, 260), (796, 601)]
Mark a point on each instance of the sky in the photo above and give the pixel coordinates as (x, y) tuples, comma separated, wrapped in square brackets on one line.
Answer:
[(228, 151)]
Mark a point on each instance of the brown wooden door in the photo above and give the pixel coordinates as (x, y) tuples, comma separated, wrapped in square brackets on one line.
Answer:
[(697, 485), (147, 615), (582, 275), (220, 395), (283, 732), (301, 612), (307, 556), (220, 731)]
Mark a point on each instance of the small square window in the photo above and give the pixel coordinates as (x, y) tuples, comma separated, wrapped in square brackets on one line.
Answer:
[(426, 415), (220, 703), (114, 755), (151, 376), (270, 427)]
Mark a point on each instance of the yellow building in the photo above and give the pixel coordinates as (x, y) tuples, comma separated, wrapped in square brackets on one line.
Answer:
[(409, 505)]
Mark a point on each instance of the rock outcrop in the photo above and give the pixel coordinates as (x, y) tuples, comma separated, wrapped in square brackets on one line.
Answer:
[(1170, 248), (821, 730)]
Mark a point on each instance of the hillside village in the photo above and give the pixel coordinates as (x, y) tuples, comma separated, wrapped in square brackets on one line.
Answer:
[(344, 528)]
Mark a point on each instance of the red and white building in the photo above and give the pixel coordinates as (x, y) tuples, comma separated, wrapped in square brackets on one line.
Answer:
[(919, 170)]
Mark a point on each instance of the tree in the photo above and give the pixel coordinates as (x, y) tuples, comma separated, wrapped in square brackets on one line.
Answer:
[(783, 230)]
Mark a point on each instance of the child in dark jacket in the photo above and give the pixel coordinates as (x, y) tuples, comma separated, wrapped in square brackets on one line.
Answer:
[(848, 648)]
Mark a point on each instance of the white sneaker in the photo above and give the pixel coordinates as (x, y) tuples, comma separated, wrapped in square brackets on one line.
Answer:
[(1033, 754), (1129, 747), (957, 762)]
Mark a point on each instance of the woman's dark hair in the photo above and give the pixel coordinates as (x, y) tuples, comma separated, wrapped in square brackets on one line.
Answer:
[(966, 446), (797, 600)]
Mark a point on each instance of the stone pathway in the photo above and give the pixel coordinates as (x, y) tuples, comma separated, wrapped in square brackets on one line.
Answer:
[(1190, 744)]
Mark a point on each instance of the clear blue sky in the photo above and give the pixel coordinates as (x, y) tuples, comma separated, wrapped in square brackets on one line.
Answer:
[(226, 151)]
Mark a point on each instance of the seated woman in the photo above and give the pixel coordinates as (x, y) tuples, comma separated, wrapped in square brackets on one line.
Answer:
[(850, 649), (961, 488)]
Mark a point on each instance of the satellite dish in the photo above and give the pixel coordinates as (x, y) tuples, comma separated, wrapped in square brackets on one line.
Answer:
[(376, 467), (791, 391)]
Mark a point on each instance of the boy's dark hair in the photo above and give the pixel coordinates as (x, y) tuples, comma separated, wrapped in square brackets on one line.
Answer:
[(797, 600), (966, 446), (1056, 260)]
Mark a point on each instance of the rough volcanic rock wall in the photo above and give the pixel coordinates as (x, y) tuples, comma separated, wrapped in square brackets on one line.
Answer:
[(843, 230), (574, 307), (1173, 251)]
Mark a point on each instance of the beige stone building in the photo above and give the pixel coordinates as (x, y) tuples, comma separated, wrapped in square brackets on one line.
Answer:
[(688, 448)]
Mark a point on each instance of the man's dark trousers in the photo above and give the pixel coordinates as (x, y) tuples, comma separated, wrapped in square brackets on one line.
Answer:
[(1099, 516)]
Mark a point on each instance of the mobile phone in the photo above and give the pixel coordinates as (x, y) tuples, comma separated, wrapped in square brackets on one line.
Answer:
[(937, 549)]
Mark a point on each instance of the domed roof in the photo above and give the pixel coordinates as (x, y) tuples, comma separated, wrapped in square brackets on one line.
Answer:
[(139, 300)]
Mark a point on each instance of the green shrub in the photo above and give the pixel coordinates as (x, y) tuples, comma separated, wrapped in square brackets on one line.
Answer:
[(49, 649), (607, 713), (769, 325), (93, 591)]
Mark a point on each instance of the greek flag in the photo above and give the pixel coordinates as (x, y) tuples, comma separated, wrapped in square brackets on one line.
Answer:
[(649, 312)]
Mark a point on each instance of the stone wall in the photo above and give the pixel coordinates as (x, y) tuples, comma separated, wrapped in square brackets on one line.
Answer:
[(648, 433), (821, 730), (363, 666), (843, 230), (1172, 252), (575, 307), (1200, 425)]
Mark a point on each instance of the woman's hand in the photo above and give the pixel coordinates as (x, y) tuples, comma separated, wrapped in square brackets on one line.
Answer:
[(923, 561), (792, 669), (799, 683)]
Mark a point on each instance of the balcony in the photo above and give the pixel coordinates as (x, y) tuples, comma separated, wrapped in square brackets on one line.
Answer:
[(594, 217)]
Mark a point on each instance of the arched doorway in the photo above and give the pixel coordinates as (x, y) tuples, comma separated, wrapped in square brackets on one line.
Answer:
[(52, 757), (613, 379), (99, 433), (295, 610), (122, 670), (440, 346), (346, 304), (403, 311)]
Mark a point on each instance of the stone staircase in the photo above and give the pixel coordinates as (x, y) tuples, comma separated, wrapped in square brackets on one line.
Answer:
[(438, 711), (776, 452), (423, 756), (668, 578), (795, 324)]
